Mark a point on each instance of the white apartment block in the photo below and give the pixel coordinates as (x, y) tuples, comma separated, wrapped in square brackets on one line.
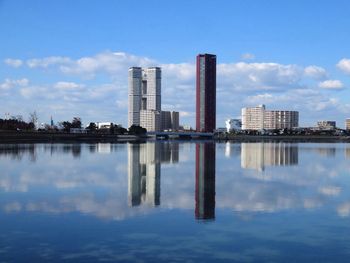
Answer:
[(144, 96), (253, 118), (258, 118)]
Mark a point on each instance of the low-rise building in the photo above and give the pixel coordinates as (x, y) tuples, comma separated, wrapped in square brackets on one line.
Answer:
[(150, 120), (233, 125), (169, 120), (326, 125)]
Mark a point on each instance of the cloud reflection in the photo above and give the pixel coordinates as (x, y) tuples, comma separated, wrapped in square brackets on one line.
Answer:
[(117, 181)]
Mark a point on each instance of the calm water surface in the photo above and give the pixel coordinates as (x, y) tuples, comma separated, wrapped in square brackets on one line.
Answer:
[(175, 202)]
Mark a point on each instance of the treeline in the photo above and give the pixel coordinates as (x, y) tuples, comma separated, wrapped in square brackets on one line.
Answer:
[(15, 125)]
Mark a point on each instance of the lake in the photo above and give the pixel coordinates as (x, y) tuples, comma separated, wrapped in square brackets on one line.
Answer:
[(175, 202)]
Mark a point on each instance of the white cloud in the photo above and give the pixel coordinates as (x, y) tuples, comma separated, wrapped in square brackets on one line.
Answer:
[(244, 76), (48, 61), (315, 72), (16, 63), (247, 56), (282, 86), (11, 83), (344, 65), (330, 190), (331, 84), (63, 85)]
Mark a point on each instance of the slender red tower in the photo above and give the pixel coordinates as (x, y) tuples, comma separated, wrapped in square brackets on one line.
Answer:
[(206, 93)]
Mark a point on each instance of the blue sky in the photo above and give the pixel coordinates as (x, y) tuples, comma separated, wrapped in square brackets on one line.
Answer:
[(70, 58)]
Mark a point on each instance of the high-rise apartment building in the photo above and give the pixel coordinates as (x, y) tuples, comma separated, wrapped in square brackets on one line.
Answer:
[(206, 93), (258, 118), (145, 97)]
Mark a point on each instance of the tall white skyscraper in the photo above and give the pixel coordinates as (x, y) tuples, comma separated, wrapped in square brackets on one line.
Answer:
[(145, 97)]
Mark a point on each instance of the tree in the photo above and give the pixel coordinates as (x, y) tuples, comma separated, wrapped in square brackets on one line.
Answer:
[(119, 129), (76, 123), (66, 126), (33, 118), (111, 129), (137, 130), (92, 126)]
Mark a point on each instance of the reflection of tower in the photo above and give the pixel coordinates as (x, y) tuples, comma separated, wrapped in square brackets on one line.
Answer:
[(259, 155), (144, 174), (205, 181)]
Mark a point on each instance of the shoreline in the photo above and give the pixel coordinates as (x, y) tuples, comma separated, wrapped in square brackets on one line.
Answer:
[(42, 137)]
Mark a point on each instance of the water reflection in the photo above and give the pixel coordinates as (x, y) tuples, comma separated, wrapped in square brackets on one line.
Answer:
[(17, 151), (259, 155), (205, 181), (144, 164), (123, 180)]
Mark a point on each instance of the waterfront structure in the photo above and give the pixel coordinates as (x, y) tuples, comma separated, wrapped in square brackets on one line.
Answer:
[(145, 97), (206, 93), (347, 124), (205, 181), (233, 125), (326, 125), (259, 155), (258, 118)]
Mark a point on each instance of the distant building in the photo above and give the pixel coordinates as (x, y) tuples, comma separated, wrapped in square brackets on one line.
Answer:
[(206, 93), (347, 124), (258, 118), (150, 120), (145, 98), (103, 125), (170, 120), (233, 125), (326, 125)]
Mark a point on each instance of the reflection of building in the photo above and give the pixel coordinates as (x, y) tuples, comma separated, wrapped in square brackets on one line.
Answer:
[(206, 93), (258, 118), (326, 151), (347, 153), (144, 164), (259, 155), (205, 181)]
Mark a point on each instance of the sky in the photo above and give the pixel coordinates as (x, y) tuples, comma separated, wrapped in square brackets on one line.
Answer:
[(70, 59)]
